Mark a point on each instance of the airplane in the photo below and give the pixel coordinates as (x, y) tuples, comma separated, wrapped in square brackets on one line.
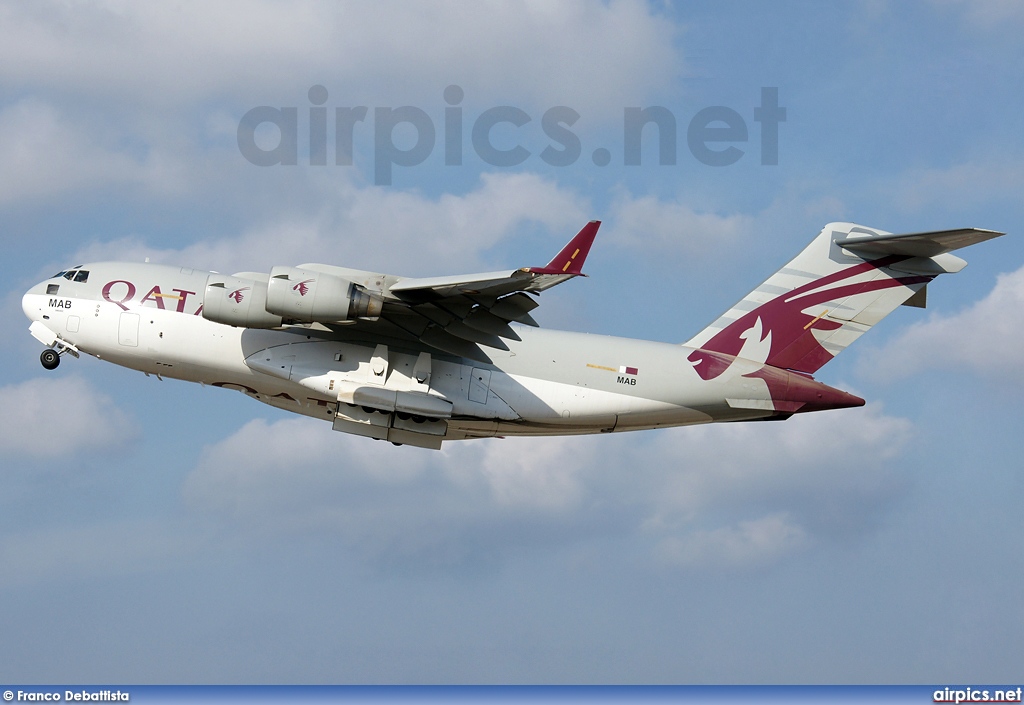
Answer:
[(419, 361)]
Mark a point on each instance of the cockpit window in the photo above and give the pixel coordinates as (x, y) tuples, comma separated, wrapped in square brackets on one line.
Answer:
[(59, 274), (74, 275)]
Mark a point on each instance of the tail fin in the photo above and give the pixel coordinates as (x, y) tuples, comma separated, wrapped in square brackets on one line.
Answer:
[(848, 279)]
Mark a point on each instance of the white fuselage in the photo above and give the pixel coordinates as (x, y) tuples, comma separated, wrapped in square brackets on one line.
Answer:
[(148, 318)]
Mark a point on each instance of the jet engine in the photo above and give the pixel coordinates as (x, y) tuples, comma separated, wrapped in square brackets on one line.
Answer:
[(304, 295), (237, 302)]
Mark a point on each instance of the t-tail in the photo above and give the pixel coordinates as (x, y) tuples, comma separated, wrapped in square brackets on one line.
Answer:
[(848, 279)]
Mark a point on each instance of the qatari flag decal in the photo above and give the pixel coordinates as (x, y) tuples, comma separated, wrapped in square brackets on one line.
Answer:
[(627, 370)]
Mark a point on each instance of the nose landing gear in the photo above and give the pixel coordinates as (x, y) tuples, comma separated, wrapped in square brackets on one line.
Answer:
[(50, 358), (55, 345)]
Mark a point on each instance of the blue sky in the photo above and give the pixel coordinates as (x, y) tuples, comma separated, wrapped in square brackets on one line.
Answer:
[(162, 532)]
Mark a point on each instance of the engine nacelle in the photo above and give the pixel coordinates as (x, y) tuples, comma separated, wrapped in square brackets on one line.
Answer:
[(237, 302), (304, 295)]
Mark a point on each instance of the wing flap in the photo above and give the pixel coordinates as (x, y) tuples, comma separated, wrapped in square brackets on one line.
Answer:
[(461, 330), (487, 322), (437, 338)]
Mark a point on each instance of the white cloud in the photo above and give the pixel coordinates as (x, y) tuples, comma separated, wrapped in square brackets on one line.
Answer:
[(755, 542), (546, 474), (986, 338), (55, 417), (829, 474), (281, 466), (388, 230), (149, 96), (647, 222), (389, 505), (730, 495), (47, 154), (593, 56)]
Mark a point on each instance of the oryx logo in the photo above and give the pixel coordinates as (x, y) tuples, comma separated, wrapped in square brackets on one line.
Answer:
[(779, 333), (237, 295), (302, 287)]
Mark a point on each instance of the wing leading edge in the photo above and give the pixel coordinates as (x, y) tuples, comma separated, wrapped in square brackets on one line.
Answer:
[(568, 263)]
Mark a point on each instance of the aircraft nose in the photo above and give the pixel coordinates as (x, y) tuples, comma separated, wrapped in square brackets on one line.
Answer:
[(30, 304)]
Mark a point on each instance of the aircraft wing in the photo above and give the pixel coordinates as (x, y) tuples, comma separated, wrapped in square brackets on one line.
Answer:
[(568, 263), (458, 314)]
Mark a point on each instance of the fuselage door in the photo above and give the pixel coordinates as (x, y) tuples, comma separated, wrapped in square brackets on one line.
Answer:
[(479, 385), (128, 330)]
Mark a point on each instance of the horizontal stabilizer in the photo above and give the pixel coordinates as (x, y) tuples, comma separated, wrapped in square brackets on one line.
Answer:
[(928, 244)]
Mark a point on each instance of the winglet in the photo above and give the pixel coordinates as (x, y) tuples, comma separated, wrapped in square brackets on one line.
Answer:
[(570, 259)]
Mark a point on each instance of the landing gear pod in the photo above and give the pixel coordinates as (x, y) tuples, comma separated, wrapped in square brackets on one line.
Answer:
[(304, 295), (237, 302)]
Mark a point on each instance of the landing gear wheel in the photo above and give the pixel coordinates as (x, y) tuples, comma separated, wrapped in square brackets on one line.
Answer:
[(49, 358)]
